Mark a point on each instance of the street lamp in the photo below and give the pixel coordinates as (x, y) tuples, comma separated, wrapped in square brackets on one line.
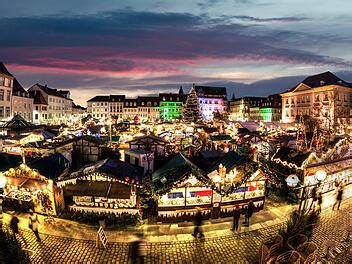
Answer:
[(292, 182), (320, 175)]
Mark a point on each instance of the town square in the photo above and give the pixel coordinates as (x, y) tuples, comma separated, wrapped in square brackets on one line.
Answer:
[(156, 132)]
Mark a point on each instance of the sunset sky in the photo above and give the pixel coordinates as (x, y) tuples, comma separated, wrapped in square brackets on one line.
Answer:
[(146, 47)]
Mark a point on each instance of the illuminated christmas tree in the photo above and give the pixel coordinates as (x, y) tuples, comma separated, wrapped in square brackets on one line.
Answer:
[(191, 110)]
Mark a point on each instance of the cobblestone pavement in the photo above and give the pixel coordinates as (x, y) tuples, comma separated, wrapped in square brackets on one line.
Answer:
[(227, 249)]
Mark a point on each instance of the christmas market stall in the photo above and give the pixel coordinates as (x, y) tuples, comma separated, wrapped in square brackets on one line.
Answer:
[(336, 164), (27, 189), (106, 186), (182, 187)]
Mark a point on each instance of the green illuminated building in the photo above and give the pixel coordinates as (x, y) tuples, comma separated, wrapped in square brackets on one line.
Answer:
[(171, 105)]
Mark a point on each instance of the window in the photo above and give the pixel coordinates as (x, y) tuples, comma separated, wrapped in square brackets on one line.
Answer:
[(1, 95), (7, 82), (8, 95), (8, 112), (1, 111), (2, 79), (36, 116)]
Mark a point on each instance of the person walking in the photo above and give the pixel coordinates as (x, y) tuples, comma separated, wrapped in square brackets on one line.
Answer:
[(320, 202), (14, 224), (138, 250), (314, 198), (198, 222), (267, 187), (249, 212), (338, 198), (236, 218), (33, 224)]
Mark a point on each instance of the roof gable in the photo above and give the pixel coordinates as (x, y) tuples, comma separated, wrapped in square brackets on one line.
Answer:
[(4, 71)]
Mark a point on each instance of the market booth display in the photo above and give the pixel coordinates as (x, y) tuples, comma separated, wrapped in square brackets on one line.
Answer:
[(26, 189), (106, 186), (182, 187)]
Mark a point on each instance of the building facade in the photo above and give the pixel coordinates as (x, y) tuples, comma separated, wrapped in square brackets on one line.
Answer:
[(211, 99), (130, 109), (171, 105), (22, 102), (106, 106), (51, 106), (245, 108), (148, 108), (270, 110), (6, 84), (323, 96)]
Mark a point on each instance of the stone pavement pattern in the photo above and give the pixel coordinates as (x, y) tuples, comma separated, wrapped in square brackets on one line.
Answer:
[(225, 249)]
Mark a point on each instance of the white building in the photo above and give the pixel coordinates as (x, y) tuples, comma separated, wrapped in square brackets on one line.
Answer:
[(148, 108), (105, 107), (51, 106), (211, 99), (130, 109), (323, 96), (6, 84), (22, 102)]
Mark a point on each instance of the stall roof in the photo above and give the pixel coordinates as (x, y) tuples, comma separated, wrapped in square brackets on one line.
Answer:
[(8, 161), (291, 156), (51, 166), (229, 160), (175, 170), (220, 138), (121, 169)]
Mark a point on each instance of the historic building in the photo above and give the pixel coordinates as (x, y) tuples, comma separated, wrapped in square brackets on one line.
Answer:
[(22, 102), (148, 108), (171, 105), (324, 96), (211, 99), (270, 110), (130, 109), (245, 108), (250, 108), (6, 84), (106, 106), (51, 106)]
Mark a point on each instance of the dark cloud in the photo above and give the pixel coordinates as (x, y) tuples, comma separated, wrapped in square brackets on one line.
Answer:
[(271, 19), (126, 40)]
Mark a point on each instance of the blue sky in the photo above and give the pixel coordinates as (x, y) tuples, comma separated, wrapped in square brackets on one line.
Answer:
[(146, 47)]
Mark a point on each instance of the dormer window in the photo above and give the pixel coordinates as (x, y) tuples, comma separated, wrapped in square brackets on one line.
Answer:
[(322, 83)]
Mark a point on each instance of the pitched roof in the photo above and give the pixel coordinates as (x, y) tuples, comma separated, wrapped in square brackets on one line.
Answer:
[(211, 91), (18, 123), (322, 79), (99, 98), (107, 98), (17, 88), (121, 169), (229, 160), (9, 161), (3, 70), (175, 170), (50, 91), (220, 137), (291, 156), (51, 166), (38, 98)]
